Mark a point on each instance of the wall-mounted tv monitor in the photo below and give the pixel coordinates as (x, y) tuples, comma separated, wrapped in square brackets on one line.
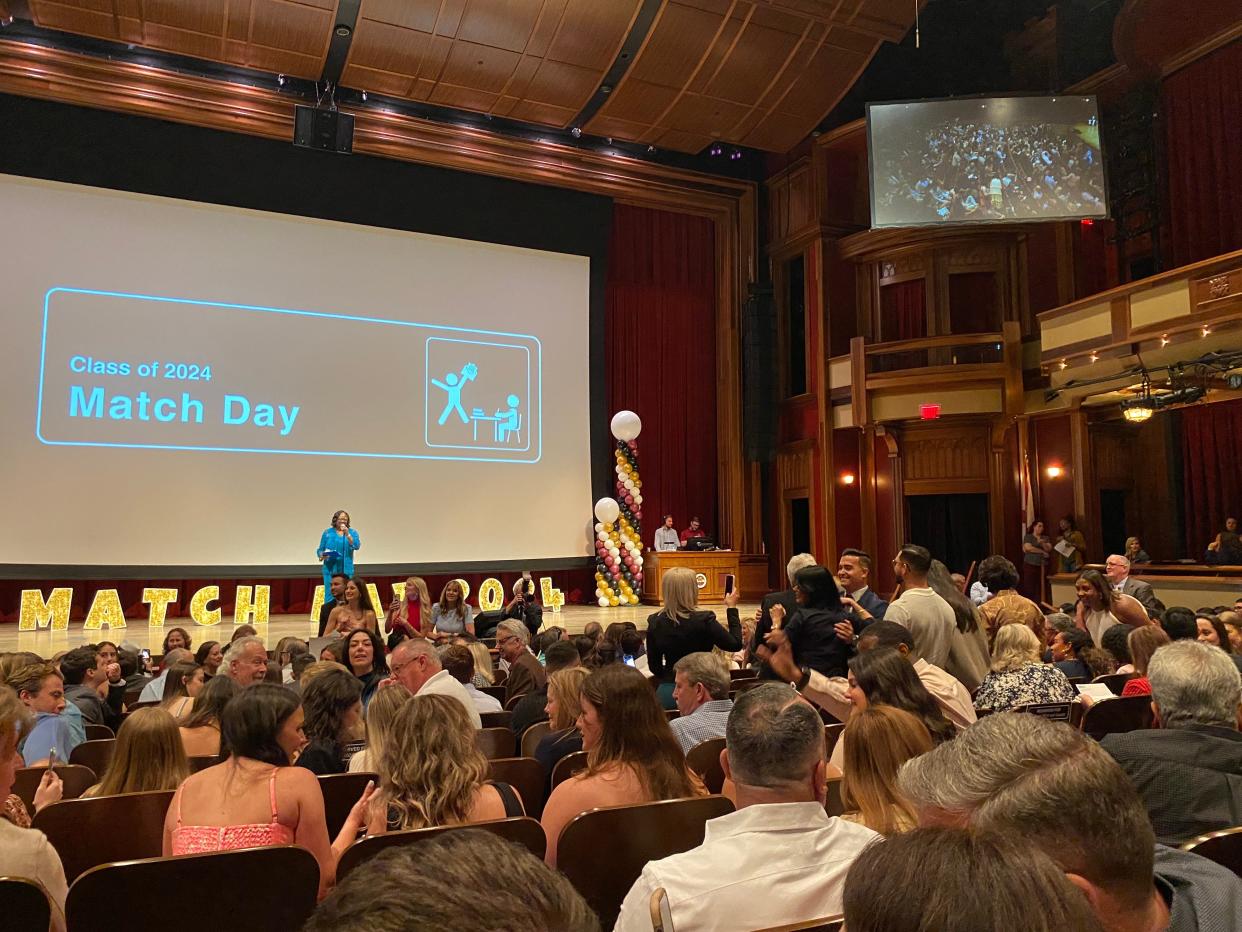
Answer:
[(985, 160)]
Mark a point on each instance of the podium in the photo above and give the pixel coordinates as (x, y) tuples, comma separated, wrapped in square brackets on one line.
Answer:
[(749, 569)]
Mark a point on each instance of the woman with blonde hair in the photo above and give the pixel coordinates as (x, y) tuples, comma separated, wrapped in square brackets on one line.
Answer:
[(881, 739), (184, 681), (406, 617), (381, 714), (452, 615), (1018, 677), (148, 756), (632, 755), (432, 772), (1143, 642), (564, 707), (484, 665), (680, 627)]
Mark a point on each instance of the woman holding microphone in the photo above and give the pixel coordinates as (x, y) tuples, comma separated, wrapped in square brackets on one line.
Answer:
[(336, 549)]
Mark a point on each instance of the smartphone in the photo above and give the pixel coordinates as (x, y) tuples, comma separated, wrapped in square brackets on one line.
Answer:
[(728, 584), (145, 654), (51, 758)]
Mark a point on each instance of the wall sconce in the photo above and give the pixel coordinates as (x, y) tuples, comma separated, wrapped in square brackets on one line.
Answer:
[(847, 478), (1054, 472)]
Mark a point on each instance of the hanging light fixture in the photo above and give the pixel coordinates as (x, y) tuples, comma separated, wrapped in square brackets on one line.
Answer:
[(1137, 410)]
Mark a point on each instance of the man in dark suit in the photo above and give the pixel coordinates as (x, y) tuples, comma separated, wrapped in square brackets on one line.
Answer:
[(854, 575), (784, 598), (337, 590), (1117, 570)]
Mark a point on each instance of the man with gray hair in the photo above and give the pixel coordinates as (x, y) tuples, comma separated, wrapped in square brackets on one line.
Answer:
[(415, 664), (1188, 770), (784, 598), (780, 858), (701, 691), (1117, 572), (245, 661), (526, 673), (1055, 789)]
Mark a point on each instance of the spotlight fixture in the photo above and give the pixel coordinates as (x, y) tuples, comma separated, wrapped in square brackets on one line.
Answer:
[(1063, 364), (715, 150), (1054, 472), (847, 478), (651, 148), (364, 97), (576, 132), (343, 30), (1207, 331), (280, 80), (735, 155), (1164, 339)]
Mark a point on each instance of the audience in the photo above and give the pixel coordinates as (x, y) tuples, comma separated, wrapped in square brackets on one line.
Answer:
[(41, 690), (881, 739), (364, 658), (1053, 624), (452, 614), (200, 733), (1233, 627), (968, 645), (289, 649), (701, 692), (176, 639), (415, 664), (332, 704), (785, 598), (387, 895), (185, 681), (86, 680), (406, 617), (133, 670), (353, 611), (1116, 641), (562, 655), (812, 630), (209, 657), (780, 857), (1080, 660), (919, 609), (632, 756), (1058, 791), (525, 674), (954, 880), (148, 756), (854, 575), (484, 666), (1100, 607), (1211, 631), (1187, 768), (1142, 644), (524, 607), (154, 690), (245, 661), (380, 716), (564, 708), (1018, 677), (432, 772), (1117, 572), (1135, 553), (25, 852), (680, 627), (254, 797), (1006, 607), (243, 631), (458, 660)]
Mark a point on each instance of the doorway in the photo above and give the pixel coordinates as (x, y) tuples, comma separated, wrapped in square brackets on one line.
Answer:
[(953, 527), (1113, 520)]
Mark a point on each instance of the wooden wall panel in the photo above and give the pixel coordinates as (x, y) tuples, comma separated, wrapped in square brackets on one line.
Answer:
[(847, 515), (1052, 446), (944, 459)]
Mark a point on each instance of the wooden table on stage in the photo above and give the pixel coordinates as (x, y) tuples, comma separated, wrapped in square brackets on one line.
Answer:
[(750, 570), (1192, 585)]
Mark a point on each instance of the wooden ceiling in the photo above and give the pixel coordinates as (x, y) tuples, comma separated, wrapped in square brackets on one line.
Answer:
[(757, 73)]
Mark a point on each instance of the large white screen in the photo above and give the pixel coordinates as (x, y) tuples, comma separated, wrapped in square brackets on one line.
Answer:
[(192, 385)]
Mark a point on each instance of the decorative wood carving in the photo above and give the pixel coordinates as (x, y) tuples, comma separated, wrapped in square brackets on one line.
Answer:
[(946, 453)]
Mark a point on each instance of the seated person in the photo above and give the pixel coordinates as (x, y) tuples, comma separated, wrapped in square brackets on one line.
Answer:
[(526, 674), (881, 739), (332, 706), (564, 708), (666, 536), (1075, 656), (200, 733), (381, 715), (459, 662), (148, 756), (1018, 677), (452, 615), (562, 655), (40, 689), (779, 839), (693, 532), (524, 607), (85, 672), (702, 696)]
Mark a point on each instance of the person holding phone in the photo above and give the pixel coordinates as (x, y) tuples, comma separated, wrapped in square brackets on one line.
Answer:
[(336, 549), (813, 630)]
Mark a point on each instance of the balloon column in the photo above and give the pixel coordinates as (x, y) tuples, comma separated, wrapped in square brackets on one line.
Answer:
[(618, 531)]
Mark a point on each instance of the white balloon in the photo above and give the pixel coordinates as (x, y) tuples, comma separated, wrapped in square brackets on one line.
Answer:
[(629, 485), (638, 498), (602, 535), (603, 602), (626, 425), (614, 551), (607, 510), (599, 526), (639, 559)]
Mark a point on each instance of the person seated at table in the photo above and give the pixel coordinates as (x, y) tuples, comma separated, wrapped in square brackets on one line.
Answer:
[(200, 733), (632, 756), (508, 421), (432, 772), (666, 536), (452, 615), (255, 798), (26, 852), (1018, 677), (148, 756)]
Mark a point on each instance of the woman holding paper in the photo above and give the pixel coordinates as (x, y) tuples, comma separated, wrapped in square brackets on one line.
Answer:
[(336, 549)]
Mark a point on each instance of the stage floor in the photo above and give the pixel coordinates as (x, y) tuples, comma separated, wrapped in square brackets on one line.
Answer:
[(46, 643)]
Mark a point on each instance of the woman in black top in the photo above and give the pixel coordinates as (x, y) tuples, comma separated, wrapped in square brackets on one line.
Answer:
[(681, 628), (812, 631), (332, 702)]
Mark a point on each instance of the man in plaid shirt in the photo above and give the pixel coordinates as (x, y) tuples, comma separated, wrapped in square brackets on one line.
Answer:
[(702, 696)]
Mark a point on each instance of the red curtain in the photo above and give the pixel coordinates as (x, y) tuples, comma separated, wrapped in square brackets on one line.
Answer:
[(661, 351), (903, 310), (1211, 454), (1203, 139)]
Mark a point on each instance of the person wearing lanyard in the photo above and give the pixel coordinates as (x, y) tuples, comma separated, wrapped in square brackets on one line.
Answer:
[(336, 549)]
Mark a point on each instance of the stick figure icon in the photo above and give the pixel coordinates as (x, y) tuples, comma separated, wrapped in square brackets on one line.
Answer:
[(453, 385)]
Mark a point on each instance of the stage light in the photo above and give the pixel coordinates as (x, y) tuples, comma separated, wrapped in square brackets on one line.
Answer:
[(1063, 364), (715, 150), (364, 97), (1207, 331), (576, 132), (1054, 472), (847, 478), (1164, 339), (280, 80), (735, 155), (1136, 414)]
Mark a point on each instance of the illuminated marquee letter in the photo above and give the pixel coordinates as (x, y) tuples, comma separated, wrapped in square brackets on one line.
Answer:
[(491, 595), (105, 611), (376, 605), (199, 611), (552, 597), (465, 588), (53, 613), (398, 592), (316, 603), (253, 605), (159, 600)]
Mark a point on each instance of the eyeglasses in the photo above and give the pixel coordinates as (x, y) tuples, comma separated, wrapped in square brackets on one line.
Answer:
[(511, 637)]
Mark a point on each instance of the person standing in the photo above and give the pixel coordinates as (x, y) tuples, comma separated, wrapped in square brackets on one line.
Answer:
[(336, 549), (1071, 547), (666, 536), (1035, 550), (681, 627), (927, 616)]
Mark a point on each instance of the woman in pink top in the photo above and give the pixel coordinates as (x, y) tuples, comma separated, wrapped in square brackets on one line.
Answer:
[(632, 756), (255, 798)]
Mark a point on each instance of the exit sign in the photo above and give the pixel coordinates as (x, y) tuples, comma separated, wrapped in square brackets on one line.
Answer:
[(929, 412)]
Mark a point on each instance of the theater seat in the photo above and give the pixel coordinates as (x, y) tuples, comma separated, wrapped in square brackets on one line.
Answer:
[(832, 734), (495, 742), (532, 736), (1223, 847), (90, 832), (98, 732), (340, 792), (603, 851), (567, 766), (496, 719), (522, 830), (254, 890), (1114, 681), (75, 778), (23, 904), (524, 774), (1111, 716), (496, 692), (704, 759), (95, 754)]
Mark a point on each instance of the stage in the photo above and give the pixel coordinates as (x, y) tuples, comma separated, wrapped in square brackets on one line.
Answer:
[(46, 642)]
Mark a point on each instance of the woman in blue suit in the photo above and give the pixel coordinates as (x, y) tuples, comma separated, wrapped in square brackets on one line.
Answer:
[(336, 549)]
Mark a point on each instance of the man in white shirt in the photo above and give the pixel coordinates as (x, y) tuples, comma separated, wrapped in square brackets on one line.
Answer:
[(416, 666), (154, 690), (777, 860), (666, 536), (701, 691), (927, 616), (459, 663)]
